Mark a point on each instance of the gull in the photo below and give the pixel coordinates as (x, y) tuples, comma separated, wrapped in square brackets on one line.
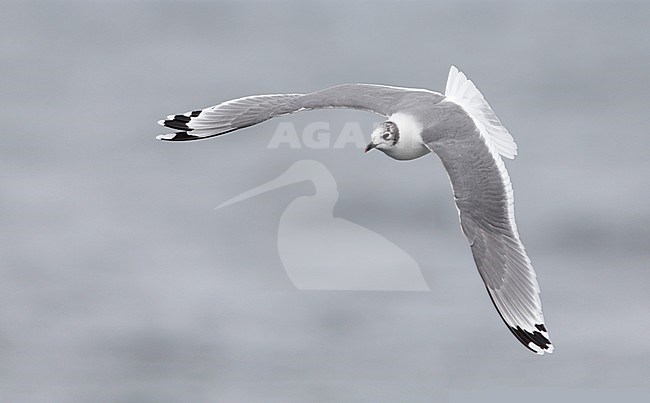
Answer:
[(464, 132), (308, 223)]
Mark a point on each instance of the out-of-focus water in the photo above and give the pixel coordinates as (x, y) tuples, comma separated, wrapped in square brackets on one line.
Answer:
[(120, 282)]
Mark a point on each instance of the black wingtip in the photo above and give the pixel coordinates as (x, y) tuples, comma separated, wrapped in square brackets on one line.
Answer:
[(536, 341), (179, 122), (179, 136)]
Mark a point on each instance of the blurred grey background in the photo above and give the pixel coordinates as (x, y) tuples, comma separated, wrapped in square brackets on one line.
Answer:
[(120, 282)]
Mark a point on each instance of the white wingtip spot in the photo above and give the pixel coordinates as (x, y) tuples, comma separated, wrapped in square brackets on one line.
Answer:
[(161, 122), (167, 136), (540, 351), (535, 348)]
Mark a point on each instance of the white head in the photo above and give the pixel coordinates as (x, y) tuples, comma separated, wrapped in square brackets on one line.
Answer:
[(400, 137), (384, 137)]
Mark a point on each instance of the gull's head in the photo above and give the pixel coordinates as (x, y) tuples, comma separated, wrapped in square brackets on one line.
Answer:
[(384, 137)]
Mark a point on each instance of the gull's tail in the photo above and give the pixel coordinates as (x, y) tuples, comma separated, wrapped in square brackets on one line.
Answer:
[(463, 92)]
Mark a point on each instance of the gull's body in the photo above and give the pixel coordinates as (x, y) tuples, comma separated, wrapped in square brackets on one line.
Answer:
[(459, 127)]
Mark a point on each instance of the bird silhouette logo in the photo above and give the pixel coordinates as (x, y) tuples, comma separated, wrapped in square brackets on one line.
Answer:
[(309, 236)]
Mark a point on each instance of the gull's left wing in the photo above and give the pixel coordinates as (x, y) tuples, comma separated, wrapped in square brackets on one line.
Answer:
[(483, 195), (470, 141)]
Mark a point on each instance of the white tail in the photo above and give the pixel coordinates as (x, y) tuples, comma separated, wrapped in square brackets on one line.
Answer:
[(463, 92)]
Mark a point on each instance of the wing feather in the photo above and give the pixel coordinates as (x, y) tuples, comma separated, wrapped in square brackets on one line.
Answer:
[(484, 197), (248, 111)]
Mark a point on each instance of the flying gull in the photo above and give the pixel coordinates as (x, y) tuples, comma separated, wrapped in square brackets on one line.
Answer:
[(462, 130)]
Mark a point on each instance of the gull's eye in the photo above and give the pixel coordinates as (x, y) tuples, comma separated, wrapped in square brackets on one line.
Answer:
[(386, 136)]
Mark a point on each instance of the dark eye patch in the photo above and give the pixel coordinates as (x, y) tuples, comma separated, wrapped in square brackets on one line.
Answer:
[(386, 136)]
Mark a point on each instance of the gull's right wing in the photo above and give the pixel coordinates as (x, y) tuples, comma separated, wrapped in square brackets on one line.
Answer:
[(248, 111)]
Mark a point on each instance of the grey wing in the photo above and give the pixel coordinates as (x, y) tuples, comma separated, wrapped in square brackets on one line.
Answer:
[(483, 195), (244, 112)]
